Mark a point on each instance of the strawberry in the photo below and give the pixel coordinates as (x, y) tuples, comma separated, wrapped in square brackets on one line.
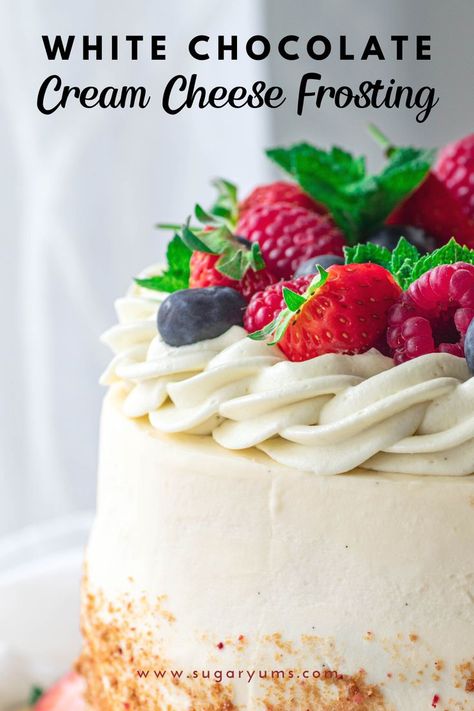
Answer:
[(289, 235), (66, 695), (434, 208), (203, 273), (280, 191), (344, 310), (265, 305), (455, 168)]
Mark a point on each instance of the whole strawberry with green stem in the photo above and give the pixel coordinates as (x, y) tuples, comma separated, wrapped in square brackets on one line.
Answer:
[(443, 203), (212, 256), (344, 310)]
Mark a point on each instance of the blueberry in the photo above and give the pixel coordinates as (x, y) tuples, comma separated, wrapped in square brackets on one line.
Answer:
[(388, 236), (192, 315), (324, 261), (469, 346)]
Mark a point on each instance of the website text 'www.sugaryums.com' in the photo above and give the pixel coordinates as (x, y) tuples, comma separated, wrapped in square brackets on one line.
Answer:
[(249, 675)]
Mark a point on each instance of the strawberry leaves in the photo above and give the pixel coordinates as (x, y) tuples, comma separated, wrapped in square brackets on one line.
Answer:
[(359, 202), (405, 262), (235, 258), (226, 206)]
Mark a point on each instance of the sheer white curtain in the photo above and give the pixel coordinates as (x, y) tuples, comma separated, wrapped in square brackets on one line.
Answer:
[(80, 193)]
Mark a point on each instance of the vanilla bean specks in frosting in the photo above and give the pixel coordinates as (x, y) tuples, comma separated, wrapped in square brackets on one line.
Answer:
[(327, 415)]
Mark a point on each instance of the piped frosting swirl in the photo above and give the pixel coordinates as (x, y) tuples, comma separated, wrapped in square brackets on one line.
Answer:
[(328, 415)]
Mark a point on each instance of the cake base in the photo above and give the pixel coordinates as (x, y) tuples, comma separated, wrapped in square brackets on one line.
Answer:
[(358, 588)]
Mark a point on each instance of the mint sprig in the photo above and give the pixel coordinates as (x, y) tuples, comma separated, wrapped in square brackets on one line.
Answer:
[(176, 275), (294, 302), (359, 202), (405, 262)]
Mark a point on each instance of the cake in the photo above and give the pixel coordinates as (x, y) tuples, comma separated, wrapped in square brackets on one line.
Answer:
[(285, 521)]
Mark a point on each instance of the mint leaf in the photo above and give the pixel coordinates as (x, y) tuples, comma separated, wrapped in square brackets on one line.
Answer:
[(176, 276), (400, 262), (362, 253), (405, 262), (450, 253), (359, 202)]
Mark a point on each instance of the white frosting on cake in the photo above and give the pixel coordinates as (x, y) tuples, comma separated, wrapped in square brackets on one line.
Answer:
[(327, 415)]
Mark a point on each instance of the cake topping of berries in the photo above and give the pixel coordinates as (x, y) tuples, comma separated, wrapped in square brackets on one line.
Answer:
[(288, 235), (193, 315), (344, 310)]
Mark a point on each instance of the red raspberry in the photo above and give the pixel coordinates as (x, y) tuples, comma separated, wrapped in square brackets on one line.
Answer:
[(434, 208), (203, 273), (265, 305), (279, 191), (434, 313), (288, 235), (455, 168)]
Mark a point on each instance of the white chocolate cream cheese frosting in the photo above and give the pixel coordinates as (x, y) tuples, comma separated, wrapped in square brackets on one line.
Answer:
[(328, 415)]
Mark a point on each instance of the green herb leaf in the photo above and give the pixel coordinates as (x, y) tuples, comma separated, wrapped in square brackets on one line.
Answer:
[(176, 276), (405, 262), (358, 202), (36, 692), (369, 252), (450, 253)]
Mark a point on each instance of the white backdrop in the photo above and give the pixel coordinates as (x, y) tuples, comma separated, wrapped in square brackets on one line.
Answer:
[(81, 190)]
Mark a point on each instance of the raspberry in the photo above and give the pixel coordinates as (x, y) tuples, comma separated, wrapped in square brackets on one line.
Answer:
[(434, 314), (279, 191), (204, 274), (455, 168), (288, 235), (265, 305)]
